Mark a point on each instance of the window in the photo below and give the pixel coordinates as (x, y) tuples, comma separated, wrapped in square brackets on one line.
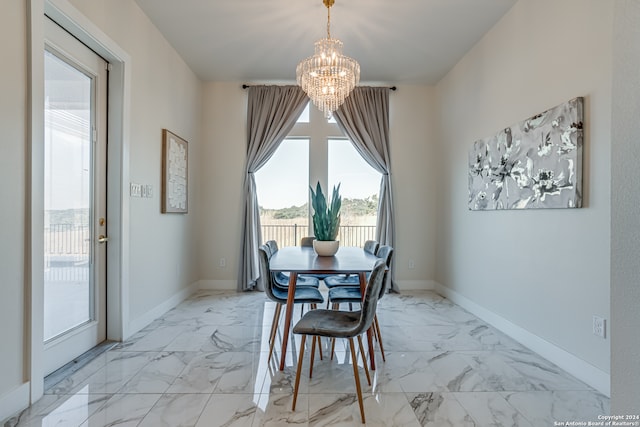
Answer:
[(316, 150), (283, 193)]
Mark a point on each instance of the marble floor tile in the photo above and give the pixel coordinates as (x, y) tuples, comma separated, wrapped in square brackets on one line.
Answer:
[(547, 407), (126, 410), (176, 410), (229, 410), (439, 410), (66, 410), (206, 363), (491, 409)]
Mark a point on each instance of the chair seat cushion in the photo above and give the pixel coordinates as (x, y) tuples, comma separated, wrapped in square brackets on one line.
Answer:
[(303, 295), (329, 323), (343, 280), (282, 279), (340, 294)]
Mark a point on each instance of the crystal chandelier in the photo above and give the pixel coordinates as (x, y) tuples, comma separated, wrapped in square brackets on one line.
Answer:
[(328, 77)]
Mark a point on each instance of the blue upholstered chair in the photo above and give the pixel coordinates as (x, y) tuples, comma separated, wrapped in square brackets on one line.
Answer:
[(370, 246), (303, 295), (282, 279)]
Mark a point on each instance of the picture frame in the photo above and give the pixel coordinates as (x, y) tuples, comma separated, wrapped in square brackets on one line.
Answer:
[(175, 173)]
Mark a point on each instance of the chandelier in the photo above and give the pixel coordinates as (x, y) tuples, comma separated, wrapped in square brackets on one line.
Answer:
[(328, 77)]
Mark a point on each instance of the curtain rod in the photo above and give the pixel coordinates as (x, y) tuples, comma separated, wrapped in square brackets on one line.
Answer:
[(245, 86)]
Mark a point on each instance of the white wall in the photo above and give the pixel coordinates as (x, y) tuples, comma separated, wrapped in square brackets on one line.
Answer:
[(545, 271), (412, 111), (221, 172), (165, 93), (13, 51), (625, 212)]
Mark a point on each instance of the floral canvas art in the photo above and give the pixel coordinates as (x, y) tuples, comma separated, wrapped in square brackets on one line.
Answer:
[(536, 163)]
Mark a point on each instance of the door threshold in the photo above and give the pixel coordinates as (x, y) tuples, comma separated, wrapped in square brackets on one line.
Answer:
[(76, 364)]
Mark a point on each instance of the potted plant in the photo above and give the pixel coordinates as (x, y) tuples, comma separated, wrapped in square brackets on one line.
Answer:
[(326, 220)]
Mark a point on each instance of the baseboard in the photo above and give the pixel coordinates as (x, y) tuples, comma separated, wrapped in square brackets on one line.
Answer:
[(218, 285), (14, 401), (151, 315), (415, 285), (577, 367)]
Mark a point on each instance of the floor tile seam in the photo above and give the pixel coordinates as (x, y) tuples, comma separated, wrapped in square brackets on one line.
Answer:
[(466, 410)]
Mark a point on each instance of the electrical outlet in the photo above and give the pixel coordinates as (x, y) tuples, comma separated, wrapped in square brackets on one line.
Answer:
[(411, 264), (599, 326), (223, 262)]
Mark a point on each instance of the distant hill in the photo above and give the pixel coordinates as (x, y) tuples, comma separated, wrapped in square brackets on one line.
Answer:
[(350, 207)]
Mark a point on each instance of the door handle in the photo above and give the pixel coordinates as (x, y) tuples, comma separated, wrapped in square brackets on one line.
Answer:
[(102, 239)]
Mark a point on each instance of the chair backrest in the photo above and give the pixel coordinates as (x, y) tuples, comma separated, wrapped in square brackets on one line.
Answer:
[(265, 273), (371, 296), (273, 246), (385, 252), (307, 241), (371, 246)]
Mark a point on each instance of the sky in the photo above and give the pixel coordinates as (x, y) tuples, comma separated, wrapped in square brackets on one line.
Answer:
[(284, 180)]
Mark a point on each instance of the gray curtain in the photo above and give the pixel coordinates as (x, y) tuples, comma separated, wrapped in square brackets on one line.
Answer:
[(364, 118), (271, 113)]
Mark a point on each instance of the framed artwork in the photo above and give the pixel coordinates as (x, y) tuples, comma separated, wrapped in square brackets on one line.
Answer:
[(534, 164), (175, 182)]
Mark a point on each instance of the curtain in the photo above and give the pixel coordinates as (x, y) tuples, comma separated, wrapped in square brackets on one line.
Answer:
[(364, 118), (271, 113)]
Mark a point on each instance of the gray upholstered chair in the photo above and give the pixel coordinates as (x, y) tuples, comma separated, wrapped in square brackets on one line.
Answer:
[(342, 324), (303, 295), (351, 294)]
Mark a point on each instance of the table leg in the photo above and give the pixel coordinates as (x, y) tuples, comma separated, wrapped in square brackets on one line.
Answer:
[(363, 285), (293, 279)]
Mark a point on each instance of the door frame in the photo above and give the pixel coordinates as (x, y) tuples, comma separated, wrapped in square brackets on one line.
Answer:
[(118, 111)]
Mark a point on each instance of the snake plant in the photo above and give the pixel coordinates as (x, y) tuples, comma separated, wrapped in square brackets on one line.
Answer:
[(326, 218)]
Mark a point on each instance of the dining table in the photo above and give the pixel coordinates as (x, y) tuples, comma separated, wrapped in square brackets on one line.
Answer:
[(297, 260)]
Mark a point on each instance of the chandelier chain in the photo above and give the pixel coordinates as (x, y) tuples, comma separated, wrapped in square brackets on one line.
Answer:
[(328, 22)]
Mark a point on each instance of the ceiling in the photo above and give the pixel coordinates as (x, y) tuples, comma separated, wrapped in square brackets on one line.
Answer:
[(401, 41)]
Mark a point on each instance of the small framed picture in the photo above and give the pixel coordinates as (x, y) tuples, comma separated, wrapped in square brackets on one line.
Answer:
[(175, 173)]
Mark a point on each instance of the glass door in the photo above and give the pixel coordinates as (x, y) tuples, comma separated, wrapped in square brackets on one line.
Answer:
[(75, 221)]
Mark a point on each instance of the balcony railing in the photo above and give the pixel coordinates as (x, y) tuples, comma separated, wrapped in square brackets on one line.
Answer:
[(290, 235), (66, 253)]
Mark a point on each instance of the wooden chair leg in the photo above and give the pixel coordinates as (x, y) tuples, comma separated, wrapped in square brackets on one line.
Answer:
[(379, 335), (313, 353), (319, 347), (274, 329), (364, 359), (274, 324), (354, 360), (333, 347), (297, 384)]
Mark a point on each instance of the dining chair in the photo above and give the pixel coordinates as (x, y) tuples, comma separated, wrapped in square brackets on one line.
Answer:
[(303, 295), (307, 242), (282, 279), (370, 246), (341, 324), (352, 295)]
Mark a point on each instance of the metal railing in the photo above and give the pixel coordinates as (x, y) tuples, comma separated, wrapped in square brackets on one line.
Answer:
[(66, 239), (290, 235), (66, 253)]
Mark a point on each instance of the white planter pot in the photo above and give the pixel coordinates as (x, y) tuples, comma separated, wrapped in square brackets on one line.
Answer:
[(326, 248)]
